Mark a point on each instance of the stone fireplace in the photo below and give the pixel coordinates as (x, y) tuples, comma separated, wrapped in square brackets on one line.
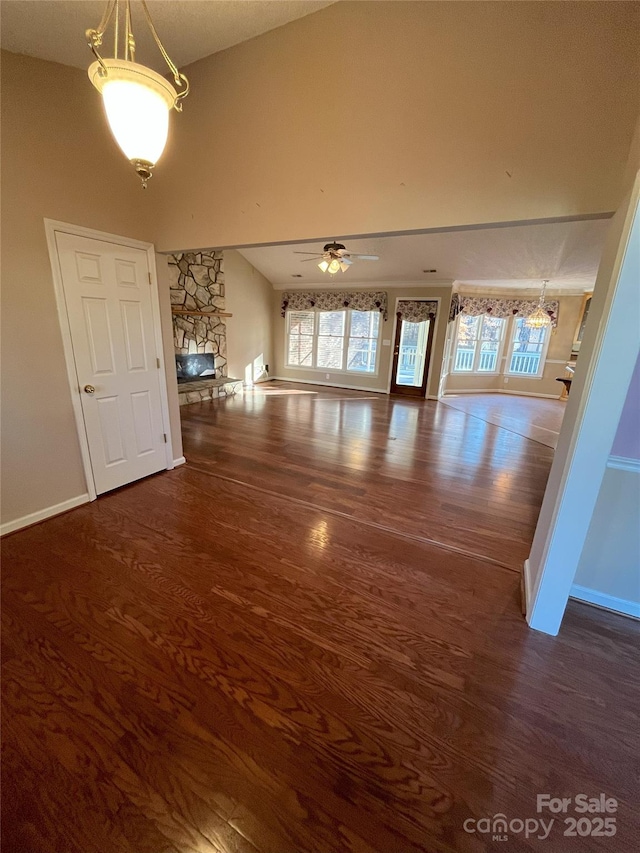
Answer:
[(197, 290)]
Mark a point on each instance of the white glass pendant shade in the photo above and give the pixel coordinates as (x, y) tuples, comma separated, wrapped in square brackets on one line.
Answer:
[(324, 266), (334, 266), (137, 103)]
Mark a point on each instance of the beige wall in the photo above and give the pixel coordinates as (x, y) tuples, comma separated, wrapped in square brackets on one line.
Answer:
[(559, 350), (249, 298), (386, 116), (381, 381), (610, 562), (59, 162)]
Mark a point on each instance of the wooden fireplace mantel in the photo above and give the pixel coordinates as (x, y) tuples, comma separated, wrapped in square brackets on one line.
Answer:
[(201, 313)]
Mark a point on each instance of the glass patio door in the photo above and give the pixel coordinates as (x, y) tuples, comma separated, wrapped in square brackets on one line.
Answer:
[(411, 354)]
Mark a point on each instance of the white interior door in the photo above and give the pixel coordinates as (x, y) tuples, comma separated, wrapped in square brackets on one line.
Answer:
[(107, 293)]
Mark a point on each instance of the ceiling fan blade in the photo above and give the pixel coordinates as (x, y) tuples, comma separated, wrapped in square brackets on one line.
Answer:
[(306, 260), (366, 257), (346, 259), (315, 254)]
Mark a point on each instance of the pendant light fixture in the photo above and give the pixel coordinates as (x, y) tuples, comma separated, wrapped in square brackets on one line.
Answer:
[(539, 318), (137, 100)]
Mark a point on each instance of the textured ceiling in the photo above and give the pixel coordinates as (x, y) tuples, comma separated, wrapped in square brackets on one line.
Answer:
[(515, 257), (189, 29)]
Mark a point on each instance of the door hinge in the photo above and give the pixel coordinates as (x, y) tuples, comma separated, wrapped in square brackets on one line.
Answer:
[(149, 274), (164, 437), (158, 363)]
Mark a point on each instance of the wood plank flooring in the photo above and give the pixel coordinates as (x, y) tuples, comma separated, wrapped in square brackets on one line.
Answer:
[(223, 659), (536, 418), (412, 466)]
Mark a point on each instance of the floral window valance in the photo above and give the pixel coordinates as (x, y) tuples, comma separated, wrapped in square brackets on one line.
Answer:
[(474, 305), (416, 311), (455, 308), (334, 300)]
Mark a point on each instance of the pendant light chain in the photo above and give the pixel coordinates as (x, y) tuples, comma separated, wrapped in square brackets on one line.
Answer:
[(542, 292), (129, 40), (179, 79), (94, 37)]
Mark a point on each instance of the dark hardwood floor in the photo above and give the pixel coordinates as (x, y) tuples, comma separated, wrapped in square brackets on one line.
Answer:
[(267, 650)]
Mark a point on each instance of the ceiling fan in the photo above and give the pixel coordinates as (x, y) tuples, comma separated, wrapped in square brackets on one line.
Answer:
[(335, 257)]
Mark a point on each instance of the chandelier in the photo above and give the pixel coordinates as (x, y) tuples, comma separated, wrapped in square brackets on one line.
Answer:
[(539, 318), (137, 100)]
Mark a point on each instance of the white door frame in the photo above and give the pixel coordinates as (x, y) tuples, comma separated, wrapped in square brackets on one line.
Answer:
[(52, 227), (603, 373)]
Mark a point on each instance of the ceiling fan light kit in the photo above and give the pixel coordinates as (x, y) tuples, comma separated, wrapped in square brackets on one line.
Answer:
[(335, 258), (137, 100)]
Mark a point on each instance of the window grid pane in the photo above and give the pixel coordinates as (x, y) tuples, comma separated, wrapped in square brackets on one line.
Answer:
[(301, 322), (331, 323), (526, 352), (330, 352), (361, 356), (365, 324), (466, 343), (331, 326), (301, 350), (300, 344), (490, 337)]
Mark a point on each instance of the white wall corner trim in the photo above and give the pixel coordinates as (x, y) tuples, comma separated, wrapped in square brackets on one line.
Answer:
[(603, 373), (179, 461), (526, 575), (608, 602), (624, 463), (42, 514)]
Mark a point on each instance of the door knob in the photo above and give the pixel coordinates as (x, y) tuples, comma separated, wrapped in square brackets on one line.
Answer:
[(89, 389)]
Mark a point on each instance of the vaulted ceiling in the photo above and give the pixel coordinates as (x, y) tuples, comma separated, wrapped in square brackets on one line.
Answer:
[(190, 29)]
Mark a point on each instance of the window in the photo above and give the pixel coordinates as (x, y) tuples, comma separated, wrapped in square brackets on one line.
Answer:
[(363, 341), (527, 349), (478, 344), (330, 339), (333, 340), (300, 341)]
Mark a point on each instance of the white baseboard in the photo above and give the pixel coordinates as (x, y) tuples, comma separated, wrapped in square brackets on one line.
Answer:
[(530, 394), (624, 463), (179, 461), (330, 384), (452, 393), (42, 514), (608, 602), (471, 391)]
